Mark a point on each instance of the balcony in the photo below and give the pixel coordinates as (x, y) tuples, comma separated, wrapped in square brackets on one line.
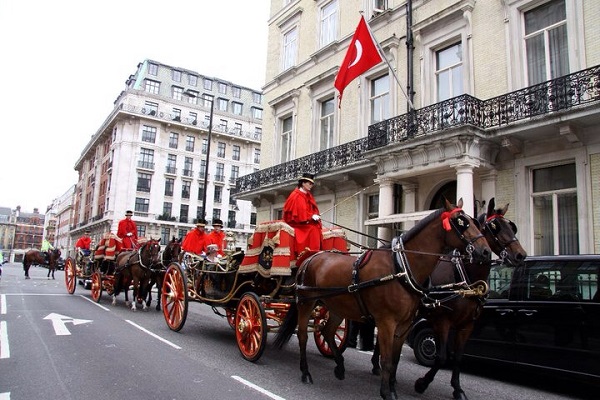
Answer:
[(188, 172), (565, 93), (171, 170), (146, 165)]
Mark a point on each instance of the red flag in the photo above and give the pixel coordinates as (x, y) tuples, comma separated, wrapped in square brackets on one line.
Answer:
[(362, 55)]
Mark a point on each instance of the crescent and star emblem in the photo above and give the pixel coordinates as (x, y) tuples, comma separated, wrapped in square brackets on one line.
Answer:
[(359, 51)]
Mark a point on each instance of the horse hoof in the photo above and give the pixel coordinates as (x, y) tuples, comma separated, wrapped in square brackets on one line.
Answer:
[(459, 395), (307, 379), (420, 385), (339, 373)]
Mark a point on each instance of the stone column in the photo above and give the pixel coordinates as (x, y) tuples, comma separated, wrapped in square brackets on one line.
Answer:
[(386, 205), (409, 191), (488, 188), (464, 186)]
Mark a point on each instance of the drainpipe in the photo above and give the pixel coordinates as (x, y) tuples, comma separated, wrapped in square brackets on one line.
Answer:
[(410, 50)]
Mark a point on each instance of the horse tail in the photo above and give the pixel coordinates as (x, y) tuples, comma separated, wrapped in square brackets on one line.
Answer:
[(287, 328)]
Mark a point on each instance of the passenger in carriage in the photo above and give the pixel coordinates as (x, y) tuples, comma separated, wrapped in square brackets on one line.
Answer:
[(127, 232), (196, 240), (217, 236), (301, 212)]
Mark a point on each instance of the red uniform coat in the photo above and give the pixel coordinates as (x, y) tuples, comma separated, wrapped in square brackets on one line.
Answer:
[(297, 212), (217, 238), (195, 242), (127, 226), (84, 242)]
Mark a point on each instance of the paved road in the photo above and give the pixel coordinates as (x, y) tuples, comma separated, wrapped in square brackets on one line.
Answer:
[(59, 346)]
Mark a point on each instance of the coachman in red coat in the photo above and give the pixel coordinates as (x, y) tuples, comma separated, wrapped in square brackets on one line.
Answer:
[(300, 211), (127, 232)]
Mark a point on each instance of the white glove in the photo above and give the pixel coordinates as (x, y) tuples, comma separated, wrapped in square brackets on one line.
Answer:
[(316, 217), (130, 234)]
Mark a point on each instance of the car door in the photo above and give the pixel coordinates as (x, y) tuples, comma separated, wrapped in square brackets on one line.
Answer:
[(494, 332), (557, 329)]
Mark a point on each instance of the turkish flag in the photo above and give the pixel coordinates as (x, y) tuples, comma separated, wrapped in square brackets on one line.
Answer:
[(362, 55)]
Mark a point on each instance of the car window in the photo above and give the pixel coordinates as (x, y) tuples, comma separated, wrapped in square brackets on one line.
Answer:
[(560, 280), (499, 281)]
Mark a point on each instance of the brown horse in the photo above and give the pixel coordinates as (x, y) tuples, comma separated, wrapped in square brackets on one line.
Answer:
[(36, 257), (134, 268), (384, 284), (169, 254), (459, 313)]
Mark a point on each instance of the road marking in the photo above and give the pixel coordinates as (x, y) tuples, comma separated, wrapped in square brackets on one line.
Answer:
[(93, 302), (5, 396), (59, 323), (153, 334), (3, 305), (257, 388), (4, 347)]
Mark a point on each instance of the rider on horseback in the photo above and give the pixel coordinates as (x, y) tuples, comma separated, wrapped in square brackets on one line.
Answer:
[(45, 249)]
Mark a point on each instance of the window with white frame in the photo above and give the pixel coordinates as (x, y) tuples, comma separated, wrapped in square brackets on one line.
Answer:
[(146, 158), (173, 140), (152, 69), (208, 84), (221, 149), (192, 96), (222, 88), (192, 80), (148, 134), (171, 163), (257, 97), (167, 208), (236, 151), (189, 143), (185, 189), (143, 182), (222, 104), (207, 100), (184, 211), (257, 113), (379, 99), (326, 124), (546, 42), (169, 186), (176, 75), (449, 72), (554, 206), (236, 92), (177, 92), (151, 86), (236, 108), (286, 139), (290, 48), (165, 234), (328, 23), (188, 166)]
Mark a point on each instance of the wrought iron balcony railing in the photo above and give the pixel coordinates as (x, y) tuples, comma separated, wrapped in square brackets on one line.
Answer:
[(555, 95)]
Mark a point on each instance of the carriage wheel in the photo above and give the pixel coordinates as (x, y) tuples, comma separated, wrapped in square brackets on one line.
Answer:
[(70, 275), (230, 314), (320, 319), (96, 286), (251, 327), (174, 297)]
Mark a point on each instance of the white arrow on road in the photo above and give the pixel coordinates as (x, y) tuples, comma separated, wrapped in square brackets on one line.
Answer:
[(59, 323)]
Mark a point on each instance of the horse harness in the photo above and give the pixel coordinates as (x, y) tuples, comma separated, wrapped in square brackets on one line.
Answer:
[(402, 272)]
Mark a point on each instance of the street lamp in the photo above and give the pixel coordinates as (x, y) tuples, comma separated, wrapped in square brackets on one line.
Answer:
[(210, 125)]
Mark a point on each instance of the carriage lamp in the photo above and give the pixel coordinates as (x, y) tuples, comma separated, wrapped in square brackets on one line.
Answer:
[(230, 239)]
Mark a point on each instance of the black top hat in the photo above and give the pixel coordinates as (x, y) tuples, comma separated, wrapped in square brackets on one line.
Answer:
[(201, 222), (128, 212), (307, 177), (87, 231), (217, 222)]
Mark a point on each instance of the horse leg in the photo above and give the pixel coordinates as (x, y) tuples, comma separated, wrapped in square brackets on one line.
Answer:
[(304, 314), (375, 360), (385, 337), (159, 282), (441, 336), (48, 276), (329, 335), (459, 347)]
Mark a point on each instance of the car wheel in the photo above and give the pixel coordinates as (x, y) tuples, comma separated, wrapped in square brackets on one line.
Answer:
[(424, 347)]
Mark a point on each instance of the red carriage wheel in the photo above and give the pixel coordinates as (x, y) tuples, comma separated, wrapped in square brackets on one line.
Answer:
[(174, 297), (321, 315), (70, 275), (96, 286), (251, 327), (230, 314)]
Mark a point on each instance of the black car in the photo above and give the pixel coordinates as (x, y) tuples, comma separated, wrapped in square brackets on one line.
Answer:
[(60, 264), (544, 315)]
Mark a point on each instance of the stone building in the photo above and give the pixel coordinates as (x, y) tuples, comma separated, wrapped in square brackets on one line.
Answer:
[(504, 96), (150, 155)]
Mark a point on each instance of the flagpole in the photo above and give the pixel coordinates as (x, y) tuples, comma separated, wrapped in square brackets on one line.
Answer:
[(382, 55)]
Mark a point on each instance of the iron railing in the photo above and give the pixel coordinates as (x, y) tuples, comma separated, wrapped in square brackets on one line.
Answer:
[(555, 95)]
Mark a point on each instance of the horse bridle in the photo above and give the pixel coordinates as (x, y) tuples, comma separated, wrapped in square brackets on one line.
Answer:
[(149, 243), (459, 225), (492, 225)]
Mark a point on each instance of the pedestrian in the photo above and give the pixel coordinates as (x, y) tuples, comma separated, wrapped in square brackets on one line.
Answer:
[(301, 212), (217, 236), (366, 331), (127, 232), (196, 240)]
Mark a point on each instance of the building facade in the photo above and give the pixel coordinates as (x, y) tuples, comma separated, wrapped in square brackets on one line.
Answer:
[(150, 156), (488, 99)]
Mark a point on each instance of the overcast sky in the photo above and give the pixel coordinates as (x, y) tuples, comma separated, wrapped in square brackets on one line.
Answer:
[(64, 62)]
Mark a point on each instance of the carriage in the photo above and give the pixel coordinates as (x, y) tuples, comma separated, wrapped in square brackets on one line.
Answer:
[(255, 289)]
